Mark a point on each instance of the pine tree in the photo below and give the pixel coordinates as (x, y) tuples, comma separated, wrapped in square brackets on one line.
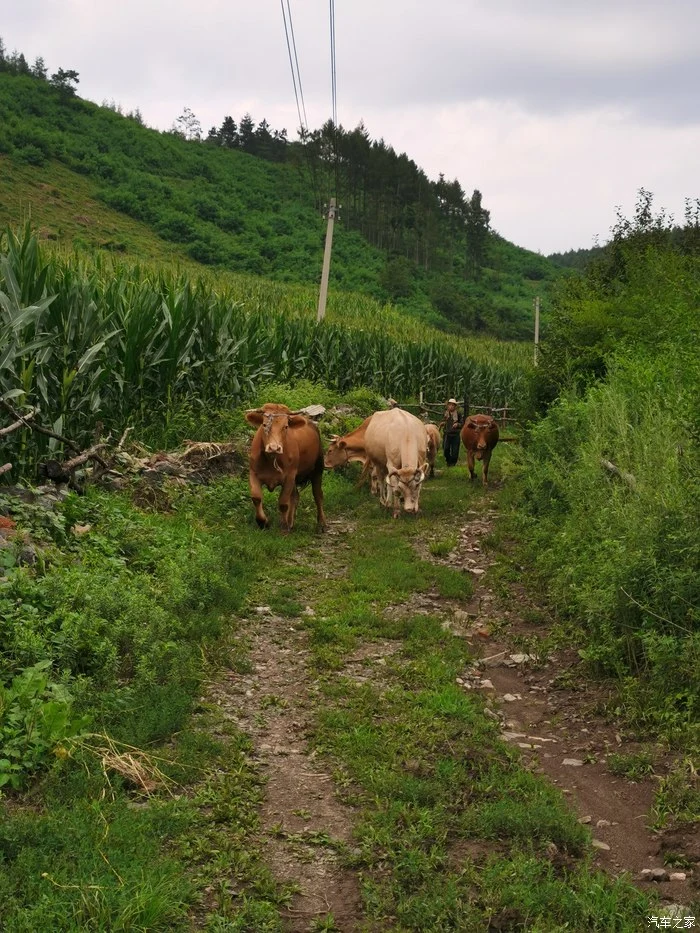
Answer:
[(39, 69), (228, 133), (246, 134)]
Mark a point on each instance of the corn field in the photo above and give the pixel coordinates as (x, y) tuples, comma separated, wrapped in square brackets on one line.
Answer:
[(90, 339)]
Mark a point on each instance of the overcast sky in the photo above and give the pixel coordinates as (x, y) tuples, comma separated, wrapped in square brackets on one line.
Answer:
[(556, 110)]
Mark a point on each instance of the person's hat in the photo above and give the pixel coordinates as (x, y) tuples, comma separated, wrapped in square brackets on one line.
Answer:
[(451, 401)]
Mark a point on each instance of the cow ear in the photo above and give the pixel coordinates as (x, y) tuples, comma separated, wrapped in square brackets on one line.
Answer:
[(296, 421), (341, 443), (419, 475), (393, 479), (254, 416)]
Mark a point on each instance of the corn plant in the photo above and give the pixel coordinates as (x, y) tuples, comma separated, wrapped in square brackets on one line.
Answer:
[(87, 339)]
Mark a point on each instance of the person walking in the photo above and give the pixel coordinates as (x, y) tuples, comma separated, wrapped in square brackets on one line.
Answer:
[(451, 424)]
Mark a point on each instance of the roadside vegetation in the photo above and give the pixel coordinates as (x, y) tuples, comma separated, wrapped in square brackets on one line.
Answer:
[(609, 496)]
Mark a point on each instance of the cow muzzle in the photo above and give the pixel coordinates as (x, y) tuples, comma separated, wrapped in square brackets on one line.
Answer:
[(273, 448)]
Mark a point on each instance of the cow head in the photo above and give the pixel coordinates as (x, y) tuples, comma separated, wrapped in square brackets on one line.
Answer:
[(480, 427), (407, 483), (274, 424), (337, 453)]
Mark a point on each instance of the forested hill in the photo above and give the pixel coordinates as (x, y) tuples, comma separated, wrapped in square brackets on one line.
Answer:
[(246, 199)]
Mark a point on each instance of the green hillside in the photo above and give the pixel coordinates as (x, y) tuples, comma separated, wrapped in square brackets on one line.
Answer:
[(91, 177)]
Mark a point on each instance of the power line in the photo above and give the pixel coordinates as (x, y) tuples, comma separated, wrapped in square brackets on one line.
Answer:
[(334, 103), (296, 61), (291, 63)]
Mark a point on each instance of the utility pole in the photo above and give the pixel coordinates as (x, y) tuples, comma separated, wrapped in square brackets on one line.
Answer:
[(537, 327), (323, 294)]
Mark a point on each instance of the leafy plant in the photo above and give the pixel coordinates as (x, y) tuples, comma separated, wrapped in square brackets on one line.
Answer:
[(35, 718)]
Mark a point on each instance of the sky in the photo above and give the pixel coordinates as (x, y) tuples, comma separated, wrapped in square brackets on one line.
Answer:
[(558, 111)]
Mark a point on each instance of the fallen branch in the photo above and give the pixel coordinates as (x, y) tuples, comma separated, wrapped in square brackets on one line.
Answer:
[(38, 427), (22, 423), (621, 474), (90, 454)]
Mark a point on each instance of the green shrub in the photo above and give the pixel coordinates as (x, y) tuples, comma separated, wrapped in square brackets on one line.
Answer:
[(36, 716)]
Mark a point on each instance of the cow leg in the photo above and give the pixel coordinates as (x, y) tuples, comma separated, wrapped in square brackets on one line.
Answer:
[(286, 505), (256, 497), (470, 464), (317, 489), (292, 511), (486, 459)]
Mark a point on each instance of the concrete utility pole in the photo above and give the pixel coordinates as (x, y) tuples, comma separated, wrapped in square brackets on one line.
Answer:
[(537, 327), (323, 294)]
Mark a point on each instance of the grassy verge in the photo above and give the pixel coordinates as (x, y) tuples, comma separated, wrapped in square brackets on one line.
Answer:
[(132, 611)]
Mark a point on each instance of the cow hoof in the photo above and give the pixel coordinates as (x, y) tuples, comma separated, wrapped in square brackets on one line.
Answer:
[(321, 529), (262, 523)]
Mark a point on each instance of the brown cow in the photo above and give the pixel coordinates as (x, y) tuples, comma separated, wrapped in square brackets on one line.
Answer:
[(342, 450), (286, 451), (479, 436), (433, 433), (349, 449)]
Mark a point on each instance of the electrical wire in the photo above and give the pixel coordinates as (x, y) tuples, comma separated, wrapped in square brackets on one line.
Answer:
[(291, 63), (305, 124), (334, 94)]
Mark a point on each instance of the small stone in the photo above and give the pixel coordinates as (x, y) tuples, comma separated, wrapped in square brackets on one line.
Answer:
[(520, 658), (490, 713), (658, 874), (597, 844), (512, 736), (477, 571), (261, 610), (486, 685), (587, 819), (677, 876), (510, 697), (308, 611), (601, 823), (573, 762)]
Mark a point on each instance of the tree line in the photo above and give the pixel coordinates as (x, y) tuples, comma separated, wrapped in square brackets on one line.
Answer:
[(382, 194), (65, 81)]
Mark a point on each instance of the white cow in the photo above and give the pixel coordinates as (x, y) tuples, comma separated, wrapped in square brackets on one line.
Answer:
[(396, 443)]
